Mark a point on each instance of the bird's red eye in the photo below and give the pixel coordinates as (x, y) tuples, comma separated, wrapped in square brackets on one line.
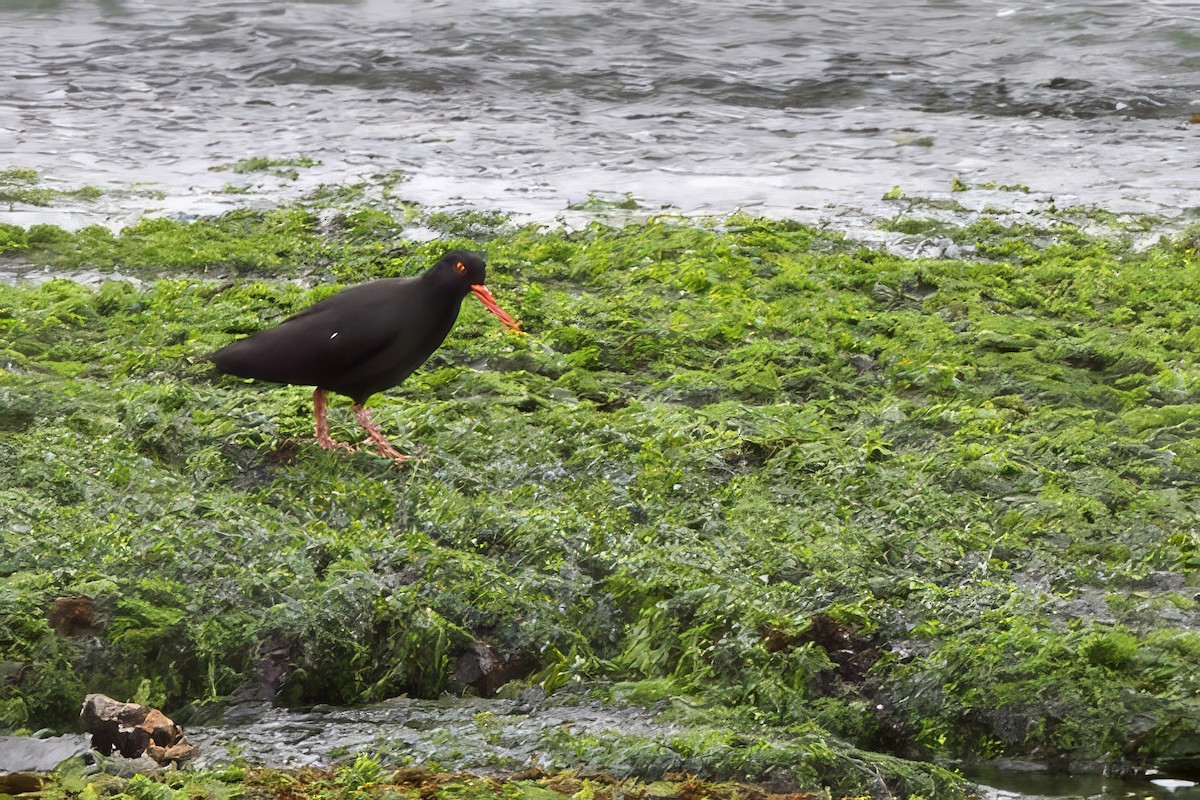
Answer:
[(461, 267)]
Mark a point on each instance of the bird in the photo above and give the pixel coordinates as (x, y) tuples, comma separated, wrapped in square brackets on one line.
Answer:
[(364, 339)]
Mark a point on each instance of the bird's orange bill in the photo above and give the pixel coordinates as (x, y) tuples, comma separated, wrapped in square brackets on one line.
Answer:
[(486, 298)]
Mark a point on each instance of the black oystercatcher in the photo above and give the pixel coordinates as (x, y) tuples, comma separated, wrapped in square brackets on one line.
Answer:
[(364, 339)]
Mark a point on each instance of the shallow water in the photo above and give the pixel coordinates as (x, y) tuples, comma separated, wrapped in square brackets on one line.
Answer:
[(458, 734), (1016, 784), (528, 105)]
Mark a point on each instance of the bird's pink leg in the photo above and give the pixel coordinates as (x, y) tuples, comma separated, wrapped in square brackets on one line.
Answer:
[(382, 445), (320, 406)]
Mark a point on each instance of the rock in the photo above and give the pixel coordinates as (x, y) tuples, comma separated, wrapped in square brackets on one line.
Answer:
[(133, 730), (486, 669), (160, 727), (27, 754), (940, 247), (267, 678), (528, 699), (1162, 581), (122, 767), (1181, 756), (20, 783), (175, 754), (73, 616)]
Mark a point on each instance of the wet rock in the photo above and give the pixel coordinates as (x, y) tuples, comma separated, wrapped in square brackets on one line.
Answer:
[(1161, 581), (862, 362), (267, 678), (528, 699), (1182, 756), (29, 754), (940, 247), (460, 734), (133, 730), (486, 669), (233, 713), (121, 767)]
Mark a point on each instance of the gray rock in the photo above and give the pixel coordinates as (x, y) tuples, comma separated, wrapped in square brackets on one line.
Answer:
[(27, 754)]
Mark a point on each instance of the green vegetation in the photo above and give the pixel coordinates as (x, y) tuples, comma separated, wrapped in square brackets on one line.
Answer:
[(279, 167), (596, 202), (242, 241), (21, 187), (1006, 187), (853, 508), (364, 778)]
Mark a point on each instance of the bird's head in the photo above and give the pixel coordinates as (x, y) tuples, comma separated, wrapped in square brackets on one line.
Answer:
[(468, 270), (463, 267)]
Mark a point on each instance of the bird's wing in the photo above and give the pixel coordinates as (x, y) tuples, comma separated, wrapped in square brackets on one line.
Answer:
[(319, 344)]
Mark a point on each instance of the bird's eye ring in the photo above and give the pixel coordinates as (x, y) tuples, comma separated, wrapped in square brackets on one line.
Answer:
[(461, 267)]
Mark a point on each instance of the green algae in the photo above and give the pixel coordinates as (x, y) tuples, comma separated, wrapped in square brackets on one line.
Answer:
[(743, 462), (20, 186), (598, 202), (243, 241), (23, 187), (278, 167)]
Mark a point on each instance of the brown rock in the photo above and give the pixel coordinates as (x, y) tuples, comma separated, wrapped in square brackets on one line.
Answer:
[(73, 616), (175, 754), (20, 783), (160, 728), (132, 729)]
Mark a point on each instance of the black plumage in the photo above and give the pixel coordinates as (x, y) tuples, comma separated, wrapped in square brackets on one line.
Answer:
[(364, 339)]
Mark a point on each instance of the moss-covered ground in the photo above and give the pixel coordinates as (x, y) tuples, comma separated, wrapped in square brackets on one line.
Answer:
[(881, 507), (363, 778)]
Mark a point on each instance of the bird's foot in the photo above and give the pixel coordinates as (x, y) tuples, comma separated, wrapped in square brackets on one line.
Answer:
[(386, 450), (376, 438), (329, 443), (320, 406)]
